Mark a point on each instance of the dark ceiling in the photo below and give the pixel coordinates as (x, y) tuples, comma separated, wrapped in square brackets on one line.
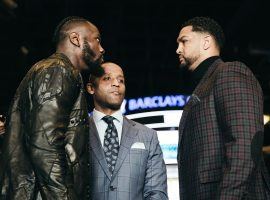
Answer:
[(139, 35)]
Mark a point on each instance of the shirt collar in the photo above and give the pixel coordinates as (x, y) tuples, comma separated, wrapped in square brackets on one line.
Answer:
[(97, 115), (200, 71)]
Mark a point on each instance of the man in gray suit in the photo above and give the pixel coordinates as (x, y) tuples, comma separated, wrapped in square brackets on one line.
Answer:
[(133, 169)]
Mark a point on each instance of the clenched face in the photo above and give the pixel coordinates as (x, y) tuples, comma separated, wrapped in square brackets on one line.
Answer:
[(109, 90), (189, 48), (92, 52)]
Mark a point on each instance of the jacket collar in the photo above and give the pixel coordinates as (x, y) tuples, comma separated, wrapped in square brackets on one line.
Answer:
[(129, 133)]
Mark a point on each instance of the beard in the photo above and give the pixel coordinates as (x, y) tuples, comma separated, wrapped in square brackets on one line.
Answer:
[(89, 59), (188, 61)]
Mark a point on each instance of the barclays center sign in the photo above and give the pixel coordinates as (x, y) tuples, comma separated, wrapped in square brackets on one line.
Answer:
[(154, 103)]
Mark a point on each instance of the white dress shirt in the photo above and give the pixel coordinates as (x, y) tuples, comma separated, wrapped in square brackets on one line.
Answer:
[(102, 125)]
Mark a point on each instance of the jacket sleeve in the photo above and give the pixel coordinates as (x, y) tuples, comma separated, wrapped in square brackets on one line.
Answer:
[(155, 186), (54, 92), (239, 108)]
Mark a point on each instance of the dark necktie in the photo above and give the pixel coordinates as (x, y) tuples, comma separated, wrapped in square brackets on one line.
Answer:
[(111, 143)]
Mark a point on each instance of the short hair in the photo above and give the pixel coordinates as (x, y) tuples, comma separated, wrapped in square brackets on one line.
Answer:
[(93, 80), (60, 32), (207, 25), (99, 73)]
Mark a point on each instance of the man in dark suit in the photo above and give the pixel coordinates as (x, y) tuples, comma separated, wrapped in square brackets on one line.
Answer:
[(221, 129), (126, 162)]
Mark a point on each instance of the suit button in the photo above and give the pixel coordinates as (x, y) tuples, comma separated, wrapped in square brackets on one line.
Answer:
[(112, 188)]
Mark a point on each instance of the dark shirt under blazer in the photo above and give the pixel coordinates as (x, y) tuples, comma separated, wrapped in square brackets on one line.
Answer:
[(221, 136)]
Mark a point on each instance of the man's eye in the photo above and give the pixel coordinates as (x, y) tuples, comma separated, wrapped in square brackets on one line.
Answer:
[(106, 78), (121, 81)]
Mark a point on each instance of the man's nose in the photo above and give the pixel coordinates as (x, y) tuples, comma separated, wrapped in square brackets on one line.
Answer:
[(101, 50), (115, 82), (178, 50)]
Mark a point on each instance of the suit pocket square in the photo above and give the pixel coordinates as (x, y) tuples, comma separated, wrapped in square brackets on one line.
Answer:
[(138, 145)]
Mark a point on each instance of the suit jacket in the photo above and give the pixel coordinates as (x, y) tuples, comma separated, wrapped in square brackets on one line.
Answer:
[(139, 173), (221, 136), (45, 146)]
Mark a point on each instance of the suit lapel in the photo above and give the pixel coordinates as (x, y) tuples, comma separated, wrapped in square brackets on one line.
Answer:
[(96, 146), (129, 133), (202, 89)]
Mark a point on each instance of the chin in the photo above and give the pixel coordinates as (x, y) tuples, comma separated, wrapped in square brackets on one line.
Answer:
[(183, 65), (115, 106)]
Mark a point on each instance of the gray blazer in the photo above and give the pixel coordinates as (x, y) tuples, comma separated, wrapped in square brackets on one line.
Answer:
[(139, 173)]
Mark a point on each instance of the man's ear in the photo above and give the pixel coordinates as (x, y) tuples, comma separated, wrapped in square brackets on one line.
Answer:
[(74, 39), (90, 88), (207, 42)]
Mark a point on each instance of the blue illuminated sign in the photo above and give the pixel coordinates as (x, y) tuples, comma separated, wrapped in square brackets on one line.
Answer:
[(169, 151), (146, 103)]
